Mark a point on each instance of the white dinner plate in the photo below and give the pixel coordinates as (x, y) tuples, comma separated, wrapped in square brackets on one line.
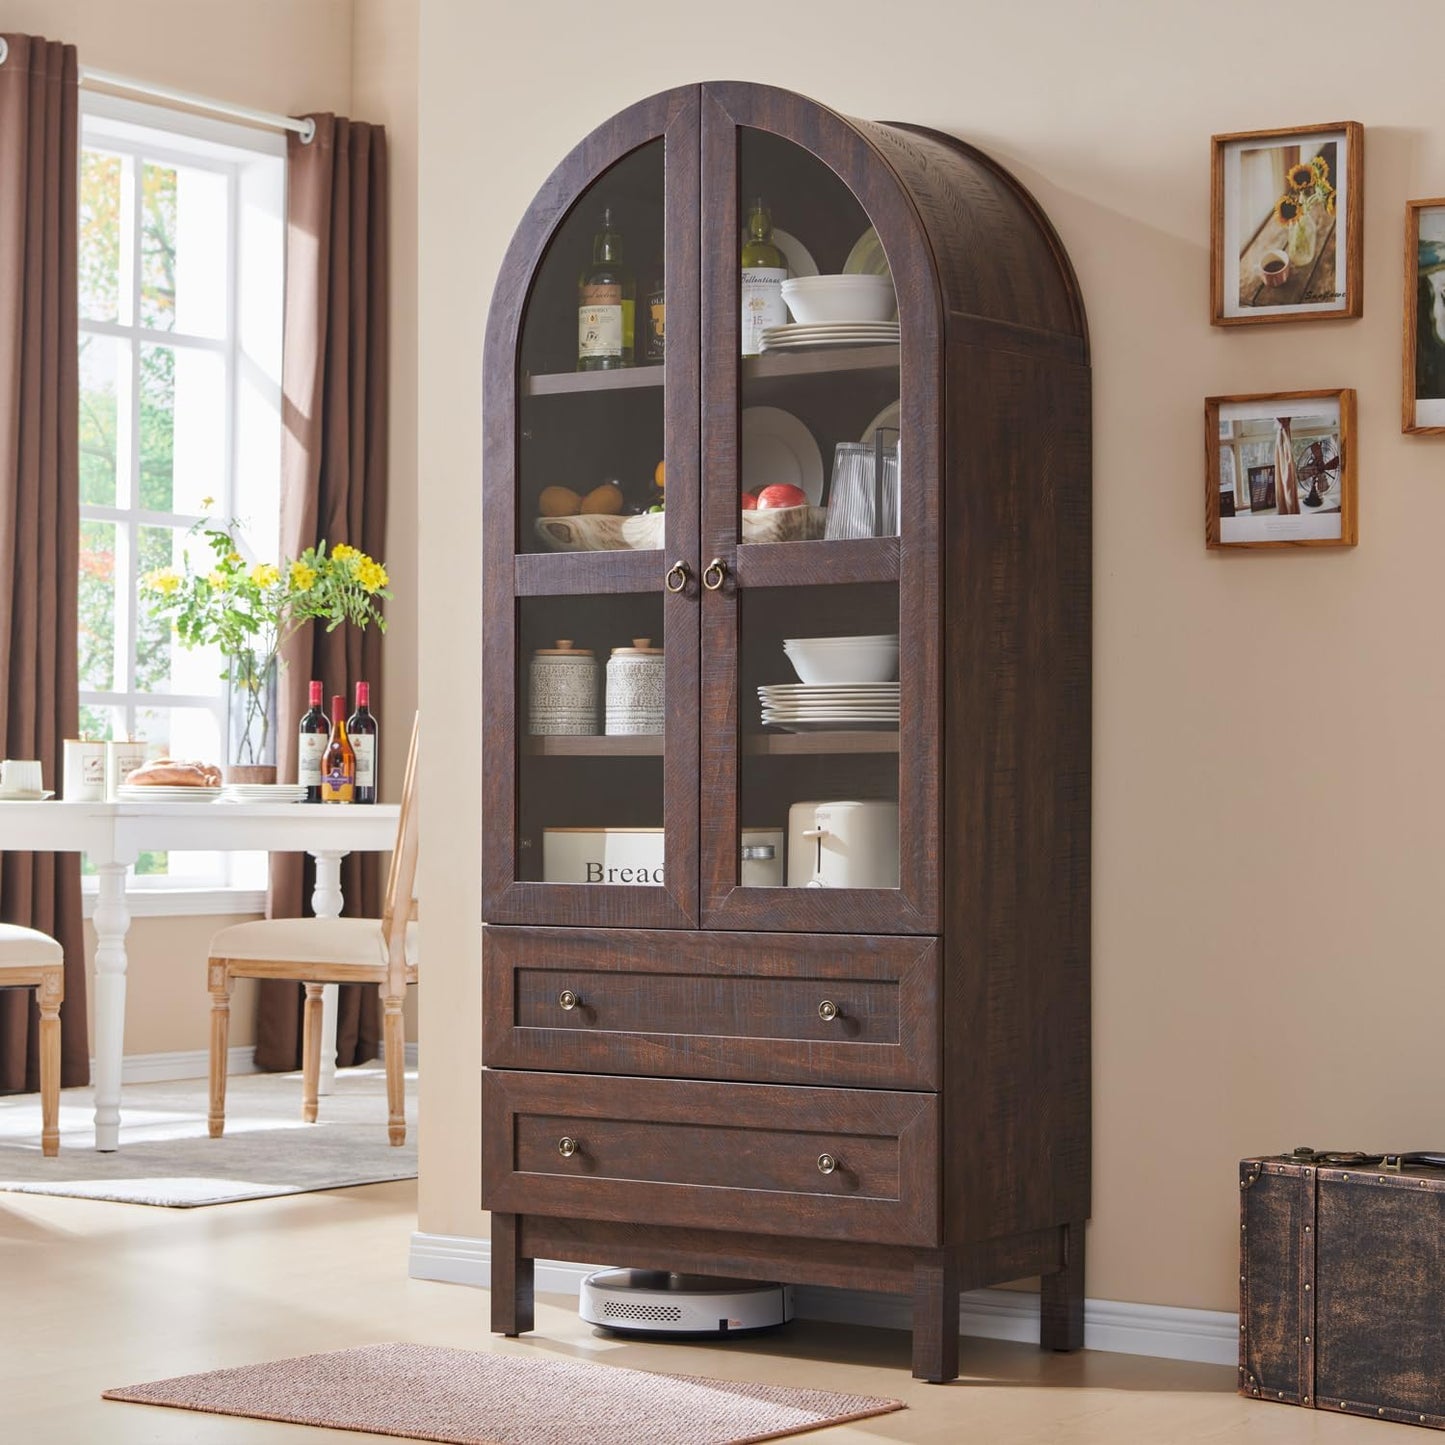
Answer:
[(867, 258), (890, 416), (800, 725), (165, 794), (779, 450)]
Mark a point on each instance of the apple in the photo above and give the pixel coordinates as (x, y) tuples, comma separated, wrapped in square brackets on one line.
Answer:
[(750, 502), (782, 496)]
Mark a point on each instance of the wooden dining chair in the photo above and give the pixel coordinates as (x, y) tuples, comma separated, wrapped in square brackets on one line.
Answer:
[(31, 959), (318, 951)]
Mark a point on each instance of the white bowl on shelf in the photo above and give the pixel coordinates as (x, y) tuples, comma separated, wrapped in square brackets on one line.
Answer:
[(813, 299), (843, 659)]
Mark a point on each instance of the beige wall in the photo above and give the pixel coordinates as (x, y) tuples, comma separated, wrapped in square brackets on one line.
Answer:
[(1267, 849), (288, 56)]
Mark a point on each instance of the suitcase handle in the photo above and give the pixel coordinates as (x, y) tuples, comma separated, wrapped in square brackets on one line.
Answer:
[(1334, 1158)]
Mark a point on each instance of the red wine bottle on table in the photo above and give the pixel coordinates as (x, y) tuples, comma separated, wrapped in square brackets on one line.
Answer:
[(361, 729), (315, 731), (338, 767)]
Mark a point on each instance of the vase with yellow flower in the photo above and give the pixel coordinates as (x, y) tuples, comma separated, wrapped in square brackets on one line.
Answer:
[(1307, 199), (249, 610)]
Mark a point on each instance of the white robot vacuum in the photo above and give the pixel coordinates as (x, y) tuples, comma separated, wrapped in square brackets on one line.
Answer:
[(656, 1302)]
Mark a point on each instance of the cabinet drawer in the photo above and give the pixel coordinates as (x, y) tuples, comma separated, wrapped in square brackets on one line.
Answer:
[(719, 1156), (762, 1007)]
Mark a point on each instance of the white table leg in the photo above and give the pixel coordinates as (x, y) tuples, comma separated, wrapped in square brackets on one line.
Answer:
[(111, 922), (326, 902)]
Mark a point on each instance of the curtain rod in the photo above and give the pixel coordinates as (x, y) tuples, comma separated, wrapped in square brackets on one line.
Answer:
[(304, 127)]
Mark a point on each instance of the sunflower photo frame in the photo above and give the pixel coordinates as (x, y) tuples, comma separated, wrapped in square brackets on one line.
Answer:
[(1280, 470), (1287, 224)]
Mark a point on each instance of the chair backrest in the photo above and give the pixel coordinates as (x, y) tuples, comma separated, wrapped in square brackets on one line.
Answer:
[(399, 907)]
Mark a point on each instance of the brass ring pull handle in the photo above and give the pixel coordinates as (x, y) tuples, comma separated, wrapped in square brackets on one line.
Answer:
[(828, 1011), (716, 569), (568, 1000), (676, 578), (827, 1163), (567, 1146)]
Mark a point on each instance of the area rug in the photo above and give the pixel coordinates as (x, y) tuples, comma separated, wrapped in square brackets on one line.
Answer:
[(166, 1157), (465, 1397)]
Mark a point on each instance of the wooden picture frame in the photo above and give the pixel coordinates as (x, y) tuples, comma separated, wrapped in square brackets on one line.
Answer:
[(1422, 386), (1277, 202), (1311, 498)]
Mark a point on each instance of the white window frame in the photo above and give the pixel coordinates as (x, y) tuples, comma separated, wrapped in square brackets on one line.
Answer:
[(252, 162)]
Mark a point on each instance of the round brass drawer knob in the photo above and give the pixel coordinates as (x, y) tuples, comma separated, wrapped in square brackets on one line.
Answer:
[(567, 1146), (827, 1163), (568, 1000), (828, 1010)]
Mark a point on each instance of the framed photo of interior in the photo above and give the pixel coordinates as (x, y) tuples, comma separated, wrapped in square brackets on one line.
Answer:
[(1287, 224), (1424, 381), (1280, 470)]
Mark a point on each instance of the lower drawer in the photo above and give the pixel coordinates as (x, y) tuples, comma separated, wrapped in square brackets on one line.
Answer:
[(754, 1007), (858, 1164)]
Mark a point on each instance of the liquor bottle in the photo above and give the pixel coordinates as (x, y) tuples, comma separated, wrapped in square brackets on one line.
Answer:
[(314, 732), (764, 270), (606, 302), (338, 766), (655, 317), (362, 730)]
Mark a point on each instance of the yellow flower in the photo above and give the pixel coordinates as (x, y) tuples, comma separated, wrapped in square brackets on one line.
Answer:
[(1301, 176), (163, 580), (265, 574), (371, 575), (1286, 210), (234, 558), (1321, 167), (303, 578), (207, 503), (340, 552), (219, 581)]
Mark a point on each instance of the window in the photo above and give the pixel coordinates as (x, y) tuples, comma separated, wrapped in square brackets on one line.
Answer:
[(181, 262)]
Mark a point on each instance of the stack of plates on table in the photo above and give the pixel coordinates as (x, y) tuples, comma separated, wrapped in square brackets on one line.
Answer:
[(263, 793), (804, 336), (161, 793), (798, 707)]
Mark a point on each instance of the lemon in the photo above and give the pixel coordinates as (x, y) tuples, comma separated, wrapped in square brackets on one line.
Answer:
[(659, 476)]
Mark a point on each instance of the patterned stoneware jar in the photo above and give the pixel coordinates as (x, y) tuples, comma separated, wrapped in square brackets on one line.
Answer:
[(634, 688), (563, 691)]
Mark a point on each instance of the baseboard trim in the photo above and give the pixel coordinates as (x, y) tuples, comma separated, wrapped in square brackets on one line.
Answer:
[(182, 1064), (1165, 1331)]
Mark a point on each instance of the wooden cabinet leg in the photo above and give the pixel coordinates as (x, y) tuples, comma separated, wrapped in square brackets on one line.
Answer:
[(1061, 1302), (935, 1320), (512, 1312)]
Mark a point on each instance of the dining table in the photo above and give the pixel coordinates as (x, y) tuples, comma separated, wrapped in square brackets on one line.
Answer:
[(113, 835)]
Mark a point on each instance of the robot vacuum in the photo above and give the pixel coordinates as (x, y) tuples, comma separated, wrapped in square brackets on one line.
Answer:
[(656, 1302)]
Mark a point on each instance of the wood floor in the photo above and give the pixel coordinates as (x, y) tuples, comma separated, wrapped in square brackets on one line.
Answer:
[(94, 1295)]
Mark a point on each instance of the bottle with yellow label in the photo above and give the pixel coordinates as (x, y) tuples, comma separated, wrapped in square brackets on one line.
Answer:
[(606, 302), (764, 270)]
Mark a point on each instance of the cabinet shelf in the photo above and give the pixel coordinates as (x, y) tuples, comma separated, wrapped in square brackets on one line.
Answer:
[(596, 745), (569, 383), (769, 745)]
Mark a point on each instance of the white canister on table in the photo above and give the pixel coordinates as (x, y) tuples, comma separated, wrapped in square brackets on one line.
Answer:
[(84, 771), (562, 692), (121, 759), (635, 694)]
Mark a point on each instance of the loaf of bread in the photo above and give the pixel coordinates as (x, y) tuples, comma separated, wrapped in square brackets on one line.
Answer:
[(168, 773)]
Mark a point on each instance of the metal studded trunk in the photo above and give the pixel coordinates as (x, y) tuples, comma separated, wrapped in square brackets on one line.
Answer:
[(1342, 1288)]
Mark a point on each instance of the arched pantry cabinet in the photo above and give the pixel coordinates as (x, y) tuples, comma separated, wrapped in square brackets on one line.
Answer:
[(696, 1057)]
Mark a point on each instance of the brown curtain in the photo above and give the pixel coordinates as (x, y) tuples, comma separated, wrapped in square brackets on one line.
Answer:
[(334, 483), (39, 511)]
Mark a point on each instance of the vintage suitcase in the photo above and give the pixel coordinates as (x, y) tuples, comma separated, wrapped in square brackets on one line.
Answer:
[(1342, 1283)]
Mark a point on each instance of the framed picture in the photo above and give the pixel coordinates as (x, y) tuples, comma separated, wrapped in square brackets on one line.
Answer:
[(1286, 224), (1280, 470), (1424, 381)]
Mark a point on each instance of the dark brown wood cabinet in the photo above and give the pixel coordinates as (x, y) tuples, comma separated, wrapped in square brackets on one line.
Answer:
[(712, 1066)]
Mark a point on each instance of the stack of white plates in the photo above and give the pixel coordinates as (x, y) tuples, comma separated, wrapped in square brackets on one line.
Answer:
[(161, 793), (263, 793), (804, 336), (798, 707)]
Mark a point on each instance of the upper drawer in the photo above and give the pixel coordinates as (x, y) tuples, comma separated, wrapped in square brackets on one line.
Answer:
[(760, 1007)]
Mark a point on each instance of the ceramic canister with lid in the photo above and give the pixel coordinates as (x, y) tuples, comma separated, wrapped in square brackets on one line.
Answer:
[(562, 691), (635, 698)]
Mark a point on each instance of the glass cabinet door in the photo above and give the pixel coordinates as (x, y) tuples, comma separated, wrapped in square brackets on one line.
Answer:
[(591, 485), (819, 535)]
